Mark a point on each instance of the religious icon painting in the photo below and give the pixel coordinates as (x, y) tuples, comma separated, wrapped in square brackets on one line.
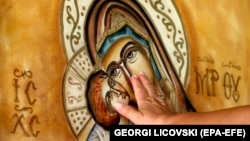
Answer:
[(105, 42)]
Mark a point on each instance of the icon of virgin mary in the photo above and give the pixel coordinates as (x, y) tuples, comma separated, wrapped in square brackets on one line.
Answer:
[(122, 42)]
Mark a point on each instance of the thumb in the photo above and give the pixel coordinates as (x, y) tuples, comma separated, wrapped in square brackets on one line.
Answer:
[(127, 111)]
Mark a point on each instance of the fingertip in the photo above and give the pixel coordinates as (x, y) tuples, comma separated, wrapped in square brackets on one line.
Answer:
[(134, 79), (142, 73), (126, 110), (118, 106), (142, 76), (134, 76)]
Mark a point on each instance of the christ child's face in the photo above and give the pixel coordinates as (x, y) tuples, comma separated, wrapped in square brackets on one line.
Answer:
[(113, 92)]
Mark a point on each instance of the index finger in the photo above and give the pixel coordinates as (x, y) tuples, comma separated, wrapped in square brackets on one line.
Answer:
[(147, 84), (139, 90)]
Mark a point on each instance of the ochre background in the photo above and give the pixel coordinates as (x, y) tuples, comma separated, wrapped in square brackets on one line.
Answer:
[(30, 40), (218, 30)]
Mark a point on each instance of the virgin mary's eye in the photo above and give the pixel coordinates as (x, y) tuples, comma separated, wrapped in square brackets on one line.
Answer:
[(131, 55)]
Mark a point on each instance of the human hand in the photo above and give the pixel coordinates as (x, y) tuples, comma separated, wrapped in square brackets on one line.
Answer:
[(152, 107)]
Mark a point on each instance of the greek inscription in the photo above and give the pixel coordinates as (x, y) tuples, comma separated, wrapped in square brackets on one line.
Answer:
[(33, 120), (23, 74), (231, 86), (206, 59), (79, 86), (231, 65), (16, 86), (207, 81), (70, 97), (20, 123), (27, 92), (205, 84), (17, 108), (24, 115)]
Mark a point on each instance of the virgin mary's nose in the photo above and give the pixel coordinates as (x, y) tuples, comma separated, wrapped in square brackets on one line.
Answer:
[(127, 76)]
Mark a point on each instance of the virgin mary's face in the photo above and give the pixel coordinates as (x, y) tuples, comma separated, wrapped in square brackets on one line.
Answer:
[(124, 58)]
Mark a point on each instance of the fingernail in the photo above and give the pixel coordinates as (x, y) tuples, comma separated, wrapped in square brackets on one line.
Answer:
[(117, 105), (142, 73), (135, 76)]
